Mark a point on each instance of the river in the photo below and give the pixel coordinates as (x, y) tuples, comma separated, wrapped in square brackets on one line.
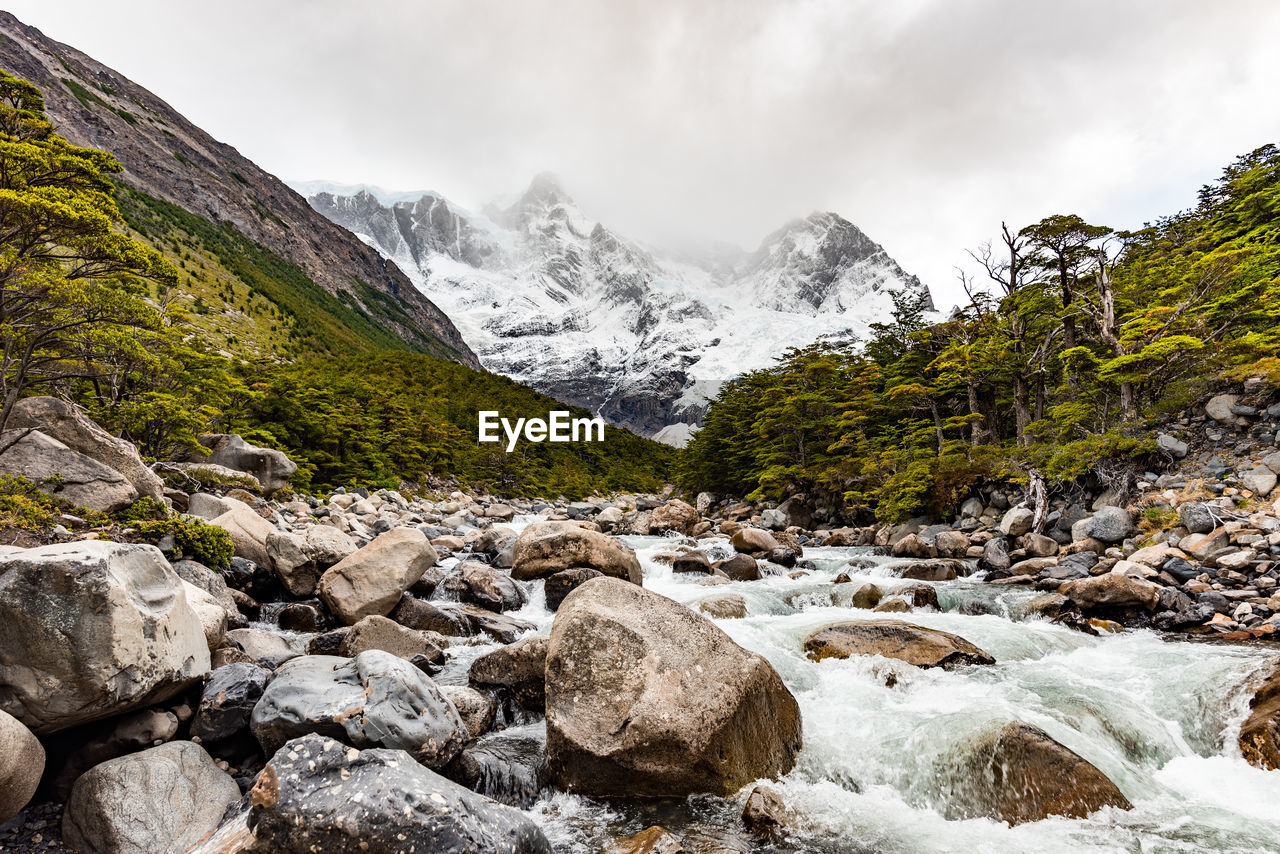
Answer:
[(883, 740)]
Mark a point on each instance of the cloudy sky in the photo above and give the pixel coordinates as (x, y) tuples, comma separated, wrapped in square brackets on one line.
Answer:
[(926, 122)]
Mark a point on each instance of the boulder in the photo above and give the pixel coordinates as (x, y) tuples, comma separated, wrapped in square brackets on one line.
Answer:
[(21, 766), (1111, 590), (971, 508), (1172, 445), (426, 617), (374, 632), (1196, 517), (287, 554), (374, 699), (326, 545), (264, 645), (491, 589), (248, 530), (1016, 521), (64, 472), (159, 801), (1110, 525), (647, 698), (943, 569), (1259, 480), (796, 513), (1021, 774), (915, 645), (694, 561), (773, 519), (1038, 545), (317, 794), (1219, 408), (545, 548), (210, 613), (951, 543), (675, 515), (724, 606), (765, 814), (995, 555), (866, 596), (212, 583), (562, 583), (372, 580), (227, 701), (271, 467), (519, 667), (1260, 734), (91, 629), (748, 540), (68, 423), (1201, 546), (912, 546), (206, 506), (741, 567)]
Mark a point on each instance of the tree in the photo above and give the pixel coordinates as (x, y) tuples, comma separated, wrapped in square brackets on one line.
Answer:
[(69, 285)]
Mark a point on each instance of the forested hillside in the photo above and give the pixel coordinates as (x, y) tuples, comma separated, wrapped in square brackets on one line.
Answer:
[(1090, 334), (92, 308)]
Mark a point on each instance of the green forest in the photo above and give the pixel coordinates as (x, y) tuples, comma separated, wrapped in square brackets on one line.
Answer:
[(1091, 334), (116, 300)]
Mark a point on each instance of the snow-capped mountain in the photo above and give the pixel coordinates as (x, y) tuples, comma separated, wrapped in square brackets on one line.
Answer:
[(555, 300)]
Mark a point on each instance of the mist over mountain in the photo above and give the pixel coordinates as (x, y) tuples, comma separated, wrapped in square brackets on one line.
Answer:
[(550, 297)]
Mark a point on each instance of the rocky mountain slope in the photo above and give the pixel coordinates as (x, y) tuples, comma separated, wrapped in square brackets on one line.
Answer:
[(558, 301), (165, 157)]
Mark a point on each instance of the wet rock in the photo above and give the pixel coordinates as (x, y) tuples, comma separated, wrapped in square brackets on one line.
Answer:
[(915, 645), (784, 556), (476, 709), (68, 424), (951, 543), (62, 471), (426, 617), (519, 667), (561, 584), (741, 567), (1111, 590), (21, 766), (374, 699), (317, 794), (545, 548), (912, 546), (694, 561), (501, 627), (507, 766), (646, 698), (1021, 774), (1260, 734), (92, 629), (753, 540), (491, 589), (995, 555), (372, 580), (374, 632), (724, 606), (159, 801), (765, 814), (943, 569), (651, 840), (300, 617), (1110, 525), (227, 701), (919, 595), (867, 596)]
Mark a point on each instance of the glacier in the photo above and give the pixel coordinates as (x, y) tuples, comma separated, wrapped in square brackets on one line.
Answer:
[(644, 338)]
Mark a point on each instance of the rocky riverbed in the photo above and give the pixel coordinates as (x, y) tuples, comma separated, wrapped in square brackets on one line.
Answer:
[(456, 672)]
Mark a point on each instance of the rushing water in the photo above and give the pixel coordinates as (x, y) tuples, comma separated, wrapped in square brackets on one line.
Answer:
[(883, 740)]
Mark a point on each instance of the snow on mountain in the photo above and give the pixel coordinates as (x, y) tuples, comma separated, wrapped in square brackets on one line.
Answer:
[(555, 300)]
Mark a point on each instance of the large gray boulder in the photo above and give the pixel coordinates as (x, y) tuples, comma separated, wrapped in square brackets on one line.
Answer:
[(1110, 525), (248, 530), (647, 698), (272, 468), (300, 559), (1219, 408), (373, 700), (92, 629), (68, 423), (228, 700), (1016, 521), (63, 471), (545, 548), (372, 580), (159, 801), (21, 766), (317, 794)]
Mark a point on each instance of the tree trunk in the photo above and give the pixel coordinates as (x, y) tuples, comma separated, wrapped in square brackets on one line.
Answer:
[(937, 423), (1021, 407), (975, 408), (1038, 495)]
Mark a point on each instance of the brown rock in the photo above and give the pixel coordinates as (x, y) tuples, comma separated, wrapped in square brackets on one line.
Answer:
[(867, 596), (765, 813), (933, 570), (951, 543), (374, 632), (21, 766), (741, 567), (372, 580), (545, 548), (1111, 590), (1260, 734), (651, 840), (912, 546), (724, 606), (1020, 774), (562, 583), (675, 515), (647, 698), (753, 540), (913, 644), (694, 561), (519, 667)]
